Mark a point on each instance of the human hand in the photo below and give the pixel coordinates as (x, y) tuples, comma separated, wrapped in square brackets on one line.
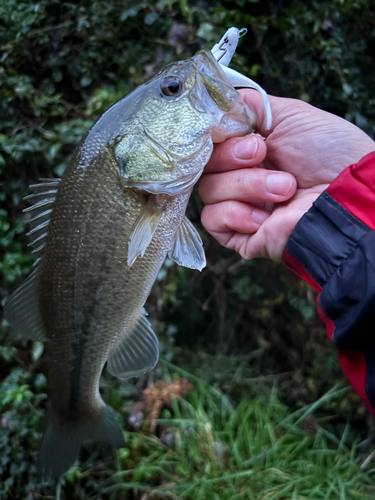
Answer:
[(305, 150)]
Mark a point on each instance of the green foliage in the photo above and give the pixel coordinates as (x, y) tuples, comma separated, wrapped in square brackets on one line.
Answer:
[(20, 430), (62, 64)]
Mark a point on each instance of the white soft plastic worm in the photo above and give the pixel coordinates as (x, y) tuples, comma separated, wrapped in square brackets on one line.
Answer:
[(223, 53)]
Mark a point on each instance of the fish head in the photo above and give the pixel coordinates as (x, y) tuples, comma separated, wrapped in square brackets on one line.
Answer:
[(184, 109)]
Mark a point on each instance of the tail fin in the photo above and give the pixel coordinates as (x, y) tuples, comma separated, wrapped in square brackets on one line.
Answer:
[(61, 443)]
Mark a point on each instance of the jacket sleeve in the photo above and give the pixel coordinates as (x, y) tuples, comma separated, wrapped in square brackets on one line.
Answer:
[(333, 249)]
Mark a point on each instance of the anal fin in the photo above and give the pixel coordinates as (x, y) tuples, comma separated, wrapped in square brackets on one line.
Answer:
[(21, 311), (187, 249), (136, 353)]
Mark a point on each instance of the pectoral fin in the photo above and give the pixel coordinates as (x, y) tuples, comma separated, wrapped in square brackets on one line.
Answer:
[(187, 249), (143, 230), (137, 353)]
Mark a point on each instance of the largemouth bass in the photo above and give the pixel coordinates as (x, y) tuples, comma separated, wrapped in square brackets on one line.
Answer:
[(101, 234)]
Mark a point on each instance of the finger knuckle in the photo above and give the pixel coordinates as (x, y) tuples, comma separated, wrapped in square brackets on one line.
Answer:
[(229, 212), (241, 180)]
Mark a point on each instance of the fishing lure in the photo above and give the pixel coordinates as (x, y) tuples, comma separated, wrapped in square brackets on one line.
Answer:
[(223, 53), (224, 50)]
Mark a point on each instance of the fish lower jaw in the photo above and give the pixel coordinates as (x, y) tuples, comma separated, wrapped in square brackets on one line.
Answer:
[(236, 124)]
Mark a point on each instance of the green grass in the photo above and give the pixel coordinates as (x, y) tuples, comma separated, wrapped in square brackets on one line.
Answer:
[(256, 450), (203, 446)]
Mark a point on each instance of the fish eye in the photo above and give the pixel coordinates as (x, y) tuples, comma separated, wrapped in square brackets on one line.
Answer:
[(171, 86)]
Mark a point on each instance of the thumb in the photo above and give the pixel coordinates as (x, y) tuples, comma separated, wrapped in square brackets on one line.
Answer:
[(254, 100), (280, 108)]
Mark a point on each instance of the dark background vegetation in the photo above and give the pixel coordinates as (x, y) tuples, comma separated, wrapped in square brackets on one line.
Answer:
[(242, 329)]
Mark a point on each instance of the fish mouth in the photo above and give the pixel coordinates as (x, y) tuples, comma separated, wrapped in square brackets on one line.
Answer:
[(238, 80), (206, 63), (218, 97)]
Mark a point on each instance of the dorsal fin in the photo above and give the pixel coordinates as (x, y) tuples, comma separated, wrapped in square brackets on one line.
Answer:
[(21, 308), (42, 197)]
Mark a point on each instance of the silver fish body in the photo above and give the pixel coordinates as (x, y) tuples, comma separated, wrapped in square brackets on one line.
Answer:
[(118, 210)]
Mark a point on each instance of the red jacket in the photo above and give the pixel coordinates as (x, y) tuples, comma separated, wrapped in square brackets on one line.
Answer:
[(333, 249)]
